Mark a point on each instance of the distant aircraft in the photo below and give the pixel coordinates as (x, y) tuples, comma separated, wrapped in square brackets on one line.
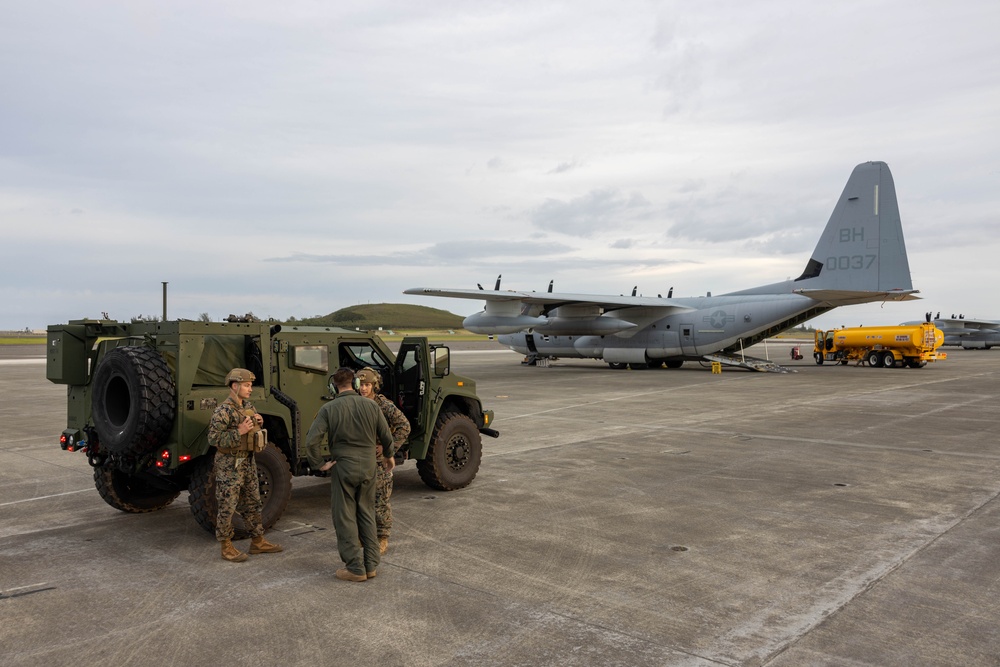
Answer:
[(860, 258), (967, 333)]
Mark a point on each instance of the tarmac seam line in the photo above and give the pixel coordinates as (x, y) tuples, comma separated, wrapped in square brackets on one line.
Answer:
[(873, 583)]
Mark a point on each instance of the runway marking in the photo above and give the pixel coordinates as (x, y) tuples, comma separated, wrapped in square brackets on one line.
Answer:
[(22, 362), (54, 495), (26, 590)]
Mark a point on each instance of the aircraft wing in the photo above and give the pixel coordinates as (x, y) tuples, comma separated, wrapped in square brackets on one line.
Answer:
[(552, 299), (964, 327), (850, 297), (557, 313)]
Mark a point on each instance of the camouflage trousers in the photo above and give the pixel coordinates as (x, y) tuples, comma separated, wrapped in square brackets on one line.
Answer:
[(237, 491), (383, 510)]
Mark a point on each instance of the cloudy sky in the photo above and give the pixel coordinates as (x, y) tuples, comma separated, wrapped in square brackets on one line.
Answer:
[(295, 158)]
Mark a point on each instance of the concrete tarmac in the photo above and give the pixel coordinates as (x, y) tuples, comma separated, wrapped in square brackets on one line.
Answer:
[(837, 515)]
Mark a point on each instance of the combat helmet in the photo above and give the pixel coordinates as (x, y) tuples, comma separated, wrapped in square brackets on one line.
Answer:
[(239, 375), (370, 375)]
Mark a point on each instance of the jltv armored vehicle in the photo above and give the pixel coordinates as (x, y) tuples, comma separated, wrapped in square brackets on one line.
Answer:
[(140, 396)]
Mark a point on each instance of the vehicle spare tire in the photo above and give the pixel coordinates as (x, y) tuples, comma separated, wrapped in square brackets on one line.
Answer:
[(273, 474), (133, 400)]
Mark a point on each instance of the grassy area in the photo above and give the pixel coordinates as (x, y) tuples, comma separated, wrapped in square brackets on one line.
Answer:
[(22, 340)]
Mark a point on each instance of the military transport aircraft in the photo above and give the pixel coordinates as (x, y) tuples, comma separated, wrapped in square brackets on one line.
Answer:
[(967, 333), (860, 258)]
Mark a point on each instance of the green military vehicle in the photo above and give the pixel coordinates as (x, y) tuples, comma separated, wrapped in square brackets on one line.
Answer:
[(141, 394)]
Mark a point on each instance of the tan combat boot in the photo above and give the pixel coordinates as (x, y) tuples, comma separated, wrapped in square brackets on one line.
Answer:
[(383, 544), (346, 575), (231, 553), (259, 545)]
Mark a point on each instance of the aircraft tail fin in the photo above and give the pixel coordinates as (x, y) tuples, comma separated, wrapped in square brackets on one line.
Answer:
[(862, 248)]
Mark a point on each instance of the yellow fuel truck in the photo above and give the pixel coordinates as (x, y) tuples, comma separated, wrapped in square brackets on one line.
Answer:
[(886, 347)]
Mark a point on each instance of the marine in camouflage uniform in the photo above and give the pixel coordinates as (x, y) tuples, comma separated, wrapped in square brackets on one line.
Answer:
[(400, 428), (237, 489)]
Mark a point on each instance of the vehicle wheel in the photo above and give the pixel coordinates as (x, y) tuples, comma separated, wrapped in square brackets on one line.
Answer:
[(843, 362), (617, 366), (454, 455), (888, 361), (874, 359), (675, 363), (129, 493), (655, 364), (819, 359), (275, 479), (133, 400)]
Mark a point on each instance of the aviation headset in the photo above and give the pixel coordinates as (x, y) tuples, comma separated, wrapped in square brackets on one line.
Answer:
[(355, 383)]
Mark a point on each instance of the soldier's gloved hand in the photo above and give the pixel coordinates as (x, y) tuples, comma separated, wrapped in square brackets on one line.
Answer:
[(245, 426)]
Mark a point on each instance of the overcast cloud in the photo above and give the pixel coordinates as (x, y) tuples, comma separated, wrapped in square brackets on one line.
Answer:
[(295, 158)]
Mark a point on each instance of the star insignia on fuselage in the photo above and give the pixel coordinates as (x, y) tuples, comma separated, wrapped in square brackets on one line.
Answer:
[(718, 319)]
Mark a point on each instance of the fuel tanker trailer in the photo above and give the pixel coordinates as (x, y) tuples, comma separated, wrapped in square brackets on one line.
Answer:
[(911, 345)]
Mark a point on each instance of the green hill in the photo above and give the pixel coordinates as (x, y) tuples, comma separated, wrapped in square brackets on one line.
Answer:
[(387, 316)]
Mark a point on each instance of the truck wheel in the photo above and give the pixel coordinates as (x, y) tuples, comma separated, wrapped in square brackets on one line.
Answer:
[(129, 493), (454, 454), (133, 400), (819, 359), (888, 361), (275, 479), (874, 359)]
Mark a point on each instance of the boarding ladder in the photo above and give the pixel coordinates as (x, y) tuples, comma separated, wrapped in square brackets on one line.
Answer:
[(743, 361)]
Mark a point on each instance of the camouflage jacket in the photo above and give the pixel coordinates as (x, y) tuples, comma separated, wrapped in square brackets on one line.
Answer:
[(222, 429), (398, 423)]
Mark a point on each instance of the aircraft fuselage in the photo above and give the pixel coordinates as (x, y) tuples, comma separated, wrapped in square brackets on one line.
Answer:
[(712, 324)]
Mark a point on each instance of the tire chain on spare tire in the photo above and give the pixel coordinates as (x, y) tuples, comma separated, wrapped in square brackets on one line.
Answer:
[(434, 469), (146, 420), (201, 490), (129, 493)]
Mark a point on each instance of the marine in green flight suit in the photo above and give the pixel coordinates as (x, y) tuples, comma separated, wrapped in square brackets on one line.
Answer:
[(343, 438)]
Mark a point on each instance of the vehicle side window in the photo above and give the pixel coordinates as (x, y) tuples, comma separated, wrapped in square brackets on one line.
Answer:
[(311, 357), (359, 355)]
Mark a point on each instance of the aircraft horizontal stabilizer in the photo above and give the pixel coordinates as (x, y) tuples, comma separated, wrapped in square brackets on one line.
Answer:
[(833, 297)]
